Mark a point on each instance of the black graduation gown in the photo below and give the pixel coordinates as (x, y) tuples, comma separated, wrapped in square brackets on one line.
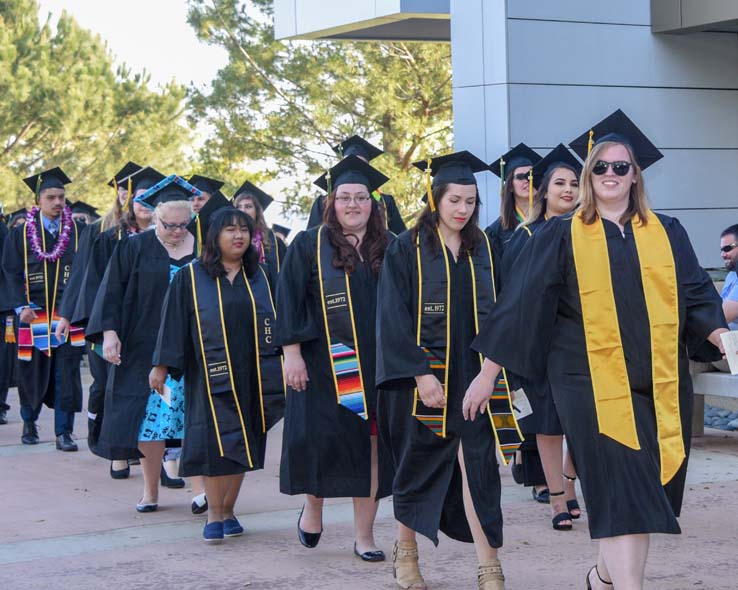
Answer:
[(539, 330), (326, 448), (7, 349), (427, 488), (36, 377), (498, 236), (177, 347), (273, 256), (394, 220), (129, 301), (77, 273)]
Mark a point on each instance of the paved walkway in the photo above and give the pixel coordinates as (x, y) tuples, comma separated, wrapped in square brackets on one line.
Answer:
[(65, 524)]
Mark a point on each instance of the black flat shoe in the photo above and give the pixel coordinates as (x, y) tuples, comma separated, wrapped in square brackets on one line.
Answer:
[(543, 496), (173, 483), (517, 471), (30, 433), (370, 555), (197, 507), (119, 473), (3, 416), (65, 442), (309, 540)]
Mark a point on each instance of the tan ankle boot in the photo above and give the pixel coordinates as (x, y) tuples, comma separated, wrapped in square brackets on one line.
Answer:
[(405, 565), (489, 576)]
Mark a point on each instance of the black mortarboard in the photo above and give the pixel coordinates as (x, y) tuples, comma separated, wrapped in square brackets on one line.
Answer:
[(125, 172), (520, 155), (619, 128), (456, 168), (15, 214), (172, 188), (53, 178), (205, 184), (82, 207), (144, 179), (559, 155), (285, 231), (217, 201), (351, 170), (249, 188), (357, 146)]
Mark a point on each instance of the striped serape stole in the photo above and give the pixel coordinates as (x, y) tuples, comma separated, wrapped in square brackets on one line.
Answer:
[(348, 381), (9, 331), (40, 334), (503, 420), (432, 418)]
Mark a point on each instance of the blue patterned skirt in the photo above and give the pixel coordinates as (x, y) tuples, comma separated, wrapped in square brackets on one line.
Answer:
[(161, 420)]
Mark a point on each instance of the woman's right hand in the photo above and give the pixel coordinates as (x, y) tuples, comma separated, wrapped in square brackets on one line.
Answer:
[(27, 315), (295, 371), (430, 391), (111, 347)]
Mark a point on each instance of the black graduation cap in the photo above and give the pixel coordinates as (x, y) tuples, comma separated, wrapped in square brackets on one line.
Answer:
[(217, 201), (520, 155), (53, 178), (457, 168), (15, 214), (205, 184), (249, 188), (144, 178), (357, 146), (123, 173), (171, 188), (559, 155), (618, 127), (351, 170), (285, 231), (82, 207)]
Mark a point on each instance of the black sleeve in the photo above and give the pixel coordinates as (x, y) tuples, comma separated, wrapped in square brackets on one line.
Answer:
[(394, 220), (173, 340), (107, 311), (13, 293), (73, 287)]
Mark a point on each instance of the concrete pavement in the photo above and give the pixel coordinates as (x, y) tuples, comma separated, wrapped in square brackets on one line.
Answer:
[(65, 524)]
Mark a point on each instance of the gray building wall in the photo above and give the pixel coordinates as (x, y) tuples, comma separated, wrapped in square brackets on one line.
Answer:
[(542, 72)]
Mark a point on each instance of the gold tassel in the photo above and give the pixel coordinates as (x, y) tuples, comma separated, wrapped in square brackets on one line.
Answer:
[(128, 196), (328, 181), (502, 177), (429, 186), (38, 187), (590, 143), (530, 192)]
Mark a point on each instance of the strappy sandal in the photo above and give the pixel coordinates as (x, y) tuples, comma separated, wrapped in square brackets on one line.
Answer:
[(405, 567), (490, 577), (560, 517), (596, 571), (573, 504)]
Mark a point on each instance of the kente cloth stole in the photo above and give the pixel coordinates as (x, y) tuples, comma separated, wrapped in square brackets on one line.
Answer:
[(610, 383), (340, 329), (40, 333), (228, 417), (433, 336)]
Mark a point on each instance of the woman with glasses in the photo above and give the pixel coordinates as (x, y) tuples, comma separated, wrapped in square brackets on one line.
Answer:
[(326, 310), (125, 319), (612, 302)]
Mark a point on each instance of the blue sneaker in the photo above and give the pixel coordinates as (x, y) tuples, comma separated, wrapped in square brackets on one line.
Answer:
[(213, 533), (232, 528)]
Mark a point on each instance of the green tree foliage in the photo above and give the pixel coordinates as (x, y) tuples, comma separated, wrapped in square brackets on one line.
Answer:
[(285, 103), (62, 103)]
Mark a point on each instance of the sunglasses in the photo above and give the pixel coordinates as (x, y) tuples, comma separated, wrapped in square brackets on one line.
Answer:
[(729, 247), (521, 176), (620, 168)]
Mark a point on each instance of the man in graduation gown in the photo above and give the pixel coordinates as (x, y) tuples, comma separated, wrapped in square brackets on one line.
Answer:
[(359, 147), (37, 260)]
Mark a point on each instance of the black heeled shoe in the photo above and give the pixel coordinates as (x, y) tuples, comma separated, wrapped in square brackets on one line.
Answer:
[(173, 483), (597, 573), (573, 504), (309, 540)]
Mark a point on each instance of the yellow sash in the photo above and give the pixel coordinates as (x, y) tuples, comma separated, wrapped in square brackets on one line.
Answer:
[(615, 417)]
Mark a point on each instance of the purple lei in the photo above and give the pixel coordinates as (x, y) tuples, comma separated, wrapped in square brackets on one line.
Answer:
[(257, 242), (61, 242)]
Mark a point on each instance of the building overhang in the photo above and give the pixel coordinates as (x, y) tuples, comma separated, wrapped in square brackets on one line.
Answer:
[(690, 16)]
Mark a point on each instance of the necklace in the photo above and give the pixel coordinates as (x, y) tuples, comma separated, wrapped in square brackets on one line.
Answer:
[(172, 245), (62, 241)]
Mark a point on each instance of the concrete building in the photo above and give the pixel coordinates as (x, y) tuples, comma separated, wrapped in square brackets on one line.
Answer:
[(543, 71)]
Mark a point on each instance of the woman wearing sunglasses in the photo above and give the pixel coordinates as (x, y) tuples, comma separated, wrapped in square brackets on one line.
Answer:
[(614, 300)]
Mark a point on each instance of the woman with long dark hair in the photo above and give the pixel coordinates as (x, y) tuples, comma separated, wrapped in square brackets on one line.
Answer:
[(326, 309), (611, 303), (212, 327), (437, 286)]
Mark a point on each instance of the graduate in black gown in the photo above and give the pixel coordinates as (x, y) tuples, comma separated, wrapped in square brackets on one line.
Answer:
[(437, 285), (326, 305), (208, 187), (37, 260), (556, 184), (212, 331), (7, 341), (125, 320), (606, 298), (358, 146)]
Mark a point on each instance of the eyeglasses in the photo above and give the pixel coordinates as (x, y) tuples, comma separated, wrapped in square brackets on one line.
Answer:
[(729, 247), (171, 226), (620, 168), (358, 199), (521, 176)]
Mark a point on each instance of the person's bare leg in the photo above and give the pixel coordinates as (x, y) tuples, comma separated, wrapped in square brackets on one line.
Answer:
[(622, 561), (570, 487), (365, 509), (485, 552), (405, 533), (312, 515), (118, 465), (216, 489), (231, 496), (550, 448), (198, 486), (153, 453)]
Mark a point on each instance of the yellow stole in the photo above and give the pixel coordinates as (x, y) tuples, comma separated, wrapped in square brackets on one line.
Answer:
[(615, 416)]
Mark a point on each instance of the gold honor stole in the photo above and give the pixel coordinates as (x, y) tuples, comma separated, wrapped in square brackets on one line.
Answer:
[(340, 330), (40, 333), (228, 417), (433, 336), (610, 383)]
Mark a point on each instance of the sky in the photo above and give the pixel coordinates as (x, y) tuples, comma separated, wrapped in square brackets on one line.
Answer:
[(154, 35)]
